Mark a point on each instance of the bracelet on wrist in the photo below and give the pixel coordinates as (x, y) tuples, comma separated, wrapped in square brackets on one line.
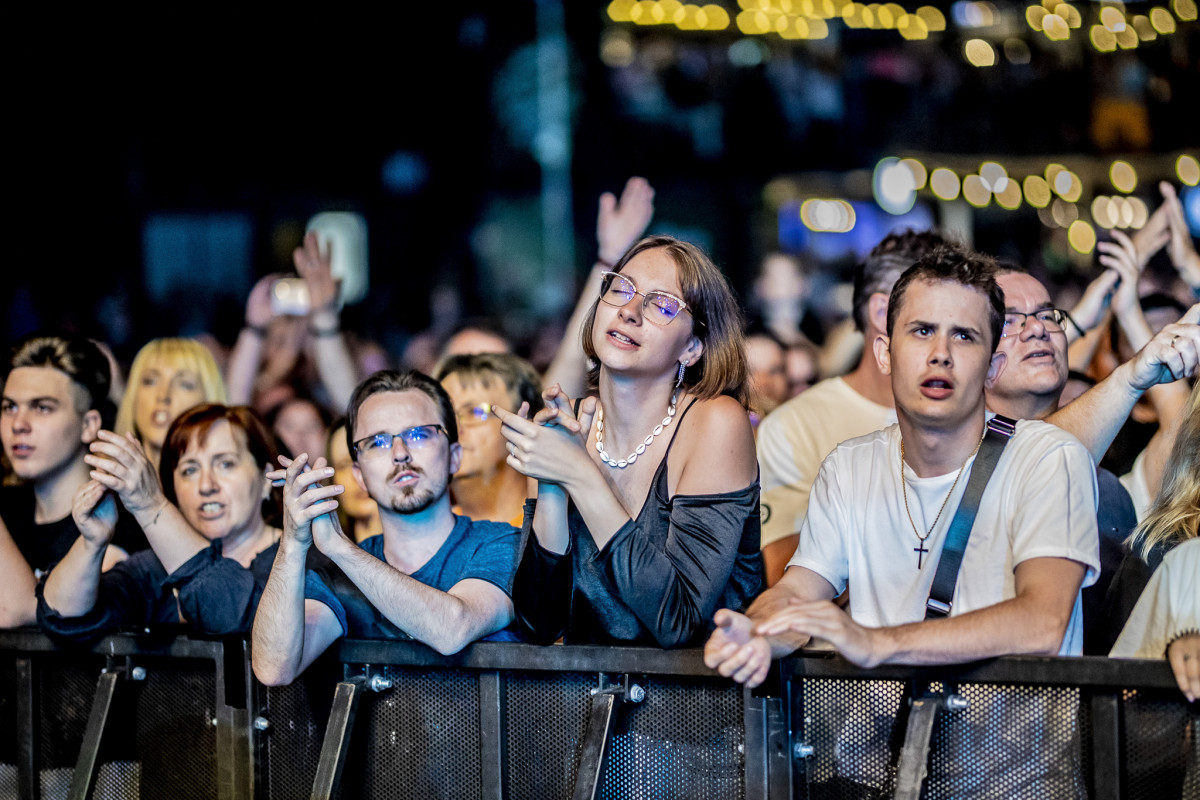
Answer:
[(258, 330)]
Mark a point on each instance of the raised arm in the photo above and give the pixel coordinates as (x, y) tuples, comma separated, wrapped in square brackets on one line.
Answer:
[(290, 632), (1097, 415), (334, 362), (618, 226), (246, 356), (72, 586), (18, 605), (119, 464), (1179, 248)]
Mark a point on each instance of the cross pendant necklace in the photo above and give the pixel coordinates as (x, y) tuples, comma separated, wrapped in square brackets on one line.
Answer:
[(920, 549)]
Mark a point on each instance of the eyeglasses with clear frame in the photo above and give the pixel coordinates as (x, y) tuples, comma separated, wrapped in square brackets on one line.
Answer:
[(1052, 320), (660, 308), (475, 415), (417, 437)]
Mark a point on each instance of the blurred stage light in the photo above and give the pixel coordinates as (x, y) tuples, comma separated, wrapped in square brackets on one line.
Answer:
[(979, 53), (1141, 214), (1185, 10), (1143, 28), (1112, 19), (934, 19), (718, 17), (619, 10), (894, 186), (1064, 213), (1102, 212), (1103, 39), (1191, 209), (1037, 191), (1082, 236), (1034, 16), (827, 216), (1070, 13), (919, 173), (1055, 28), (616, 48), (1188, 169), (994, 176), (912, 27), (1016, 51), (1010, 196), (944, 183), (1162, 20), (974, 191), (1123, 176)]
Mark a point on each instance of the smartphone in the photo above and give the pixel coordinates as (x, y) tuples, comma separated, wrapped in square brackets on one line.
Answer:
[(289, 297), (345, 234)]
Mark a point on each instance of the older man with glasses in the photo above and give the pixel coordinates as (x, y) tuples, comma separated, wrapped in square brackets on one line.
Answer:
[(1034, 341), (432, 576)]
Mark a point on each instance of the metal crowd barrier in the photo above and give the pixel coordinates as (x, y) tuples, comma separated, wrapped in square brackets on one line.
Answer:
[(150, 717)]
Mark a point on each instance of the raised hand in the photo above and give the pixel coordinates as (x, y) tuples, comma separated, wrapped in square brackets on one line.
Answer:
[(120, 464), (1183, 255), (620, 224), (258, 304), (735, 651), (551, 450), (1171, 355), (1122, 255), (94, 510), (1153, 235), (315, 266), (304, 499)]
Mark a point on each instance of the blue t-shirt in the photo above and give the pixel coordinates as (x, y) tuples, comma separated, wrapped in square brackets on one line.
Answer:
[(482, 550)]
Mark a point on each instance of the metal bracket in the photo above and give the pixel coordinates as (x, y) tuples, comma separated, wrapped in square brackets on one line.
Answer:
[(602, 717), (913, 764), (84, 776), (341, 725)]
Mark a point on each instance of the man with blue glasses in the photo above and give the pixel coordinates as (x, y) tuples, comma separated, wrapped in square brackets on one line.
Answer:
[(432, 576)]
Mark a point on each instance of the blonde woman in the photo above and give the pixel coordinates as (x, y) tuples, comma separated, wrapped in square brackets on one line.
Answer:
[(1172, 519), (168, 377)]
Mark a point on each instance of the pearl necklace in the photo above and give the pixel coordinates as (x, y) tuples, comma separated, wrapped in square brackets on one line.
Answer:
[(641, 448)]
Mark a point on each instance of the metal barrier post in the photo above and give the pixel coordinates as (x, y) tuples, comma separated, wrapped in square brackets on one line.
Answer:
[(235, 747), (28, 764), (1106, 746), (337, 734), (914, 756), (602, 717), (89, 753), (491, 735)]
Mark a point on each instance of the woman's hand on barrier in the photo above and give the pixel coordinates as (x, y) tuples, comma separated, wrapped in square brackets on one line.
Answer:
[(120, 464), (94, 510), (824, 620), (1183, 654), (734, 650), (304, 498)]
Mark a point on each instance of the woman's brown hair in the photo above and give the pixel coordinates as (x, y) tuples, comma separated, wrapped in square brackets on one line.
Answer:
[(716, 321), (194, 425)]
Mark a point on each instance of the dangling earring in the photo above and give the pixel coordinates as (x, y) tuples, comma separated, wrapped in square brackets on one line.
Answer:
[(679, 378)]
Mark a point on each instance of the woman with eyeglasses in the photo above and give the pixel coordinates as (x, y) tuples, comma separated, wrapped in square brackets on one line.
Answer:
[(646, 519), (485, 486)]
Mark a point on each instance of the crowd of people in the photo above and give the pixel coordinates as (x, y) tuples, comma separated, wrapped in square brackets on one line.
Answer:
[(306, 492)]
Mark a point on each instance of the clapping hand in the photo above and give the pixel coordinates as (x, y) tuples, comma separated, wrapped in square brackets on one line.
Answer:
[(120, 464), (94, 510), (307, 505)]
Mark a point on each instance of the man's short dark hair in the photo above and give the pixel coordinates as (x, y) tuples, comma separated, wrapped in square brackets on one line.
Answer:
[(79, 359), (521, 381), (394, 380), (886, 262), (953, 264)]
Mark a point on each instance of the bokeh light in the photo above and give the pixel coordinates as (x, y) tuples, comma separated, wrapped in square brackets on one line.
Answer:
[(1037, 191), (1185, 10), (1102, 212), (1162, 21), (979, 53), (975, 191), (944, 183), (827, 216), (1188, 169), (1123, 176), (919, 173), (1082, 236), (894, 186)]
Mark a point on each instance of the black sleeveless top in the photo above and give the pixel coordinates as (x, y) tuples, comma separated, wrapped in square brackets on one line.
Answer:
[(657, 582)]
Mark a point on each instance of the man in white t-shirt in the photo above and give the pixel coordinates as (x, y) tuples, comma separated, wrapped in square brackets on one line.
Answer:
[(881, 532), (795, 438)]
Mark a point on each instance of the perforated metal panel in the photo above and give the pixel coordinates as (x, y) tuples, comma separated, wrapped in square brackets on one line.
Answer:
[(298, 714), (418, 740), (65, 690), (1162, 751), (173, 730), (8, 717), (686, 740), (1011, 742), (544, 725), (850, 726)]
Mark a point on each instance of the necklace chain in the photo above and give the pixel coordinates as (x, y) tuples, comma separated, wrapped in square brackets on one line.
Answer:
[(904, 490), (641, 448)]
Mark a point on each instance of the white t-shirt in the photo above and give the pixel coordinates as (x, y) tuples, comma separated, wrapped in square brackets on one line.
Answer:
[(1168, 608), (794, 439), (1041, 501)]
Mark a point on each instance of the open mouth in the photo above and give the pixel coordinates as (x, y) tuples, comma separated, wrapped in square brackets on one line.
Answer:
[(161, 418), (406, 477), (1039, 354), (937, 388), (212, 510), (621, 339)]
